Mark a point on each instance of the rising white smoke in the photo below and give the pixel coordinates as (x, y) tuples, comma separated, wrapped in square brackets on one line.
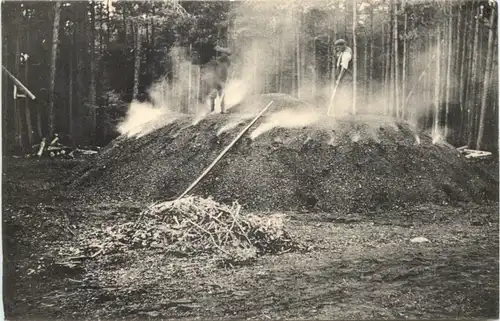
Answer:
[(264, 44), (288, 118), (144, 118)]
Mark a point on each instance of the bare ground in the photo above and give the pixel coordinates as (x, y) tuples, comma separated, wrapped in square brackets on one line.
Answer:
[(358, 267)]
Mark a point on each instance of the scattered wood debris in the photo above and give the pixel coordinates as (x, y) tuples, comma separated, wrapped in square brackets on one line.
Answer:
[(193, 226), (472, 153), (56, 149)]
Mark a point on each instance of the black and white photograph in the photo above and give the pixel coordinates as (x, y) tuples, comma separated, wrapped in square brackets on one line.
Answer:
[(250, 160)]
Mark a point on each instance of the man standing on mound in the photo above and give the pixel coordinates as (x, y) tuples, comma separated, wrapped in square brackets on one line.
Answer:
[(221, 72), (343, 55), (343, 81), (342, 73)]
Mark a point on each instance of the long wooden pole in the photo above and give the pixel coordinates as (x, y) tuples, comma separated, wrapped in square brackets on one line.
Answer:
[(193, 185), (329, 112), (19, 84)]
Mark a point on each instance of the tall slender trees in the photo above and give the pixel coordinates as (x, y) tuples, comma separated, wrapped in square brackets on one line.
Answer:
[(108, 59)]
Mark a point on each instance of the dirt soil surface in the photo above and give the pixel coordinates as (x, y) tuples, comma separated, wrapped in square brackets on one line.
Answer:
[(357, 266)]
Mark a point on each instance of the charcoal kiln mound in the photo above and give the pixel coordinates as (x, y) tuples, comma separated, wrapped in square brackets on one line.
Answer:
[(292, 158)]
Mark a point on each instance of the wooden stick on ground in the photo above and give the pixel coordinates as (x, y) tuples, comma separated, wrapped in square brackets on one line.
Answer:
[(224, 152)]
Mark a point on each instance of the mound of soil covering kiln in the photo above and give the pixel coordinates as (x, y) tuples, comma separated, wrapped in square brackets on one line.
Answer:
[(357, 165)]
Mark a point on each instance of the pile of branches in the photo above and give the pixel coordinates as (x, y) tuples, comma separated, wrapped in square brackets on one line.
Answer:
[(194, 226)]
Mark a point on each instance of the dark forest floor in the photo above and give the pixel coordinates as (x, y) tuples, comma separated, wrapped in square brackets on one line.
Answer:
[(359, 267)]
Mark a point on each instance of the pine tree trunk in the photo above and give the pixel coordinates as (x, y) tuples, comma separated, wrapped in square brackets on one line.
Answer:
[(280, 67), (153, 28), (365, 66), (472, 93), (17, 104), (372, 49), (486, 81), (302, 47), (303, 70), (461, 47), (458, 53), (105, 116), (437, 84), (354, 56), (108, 23), (390, 51), (70, 88), (405, 53), (388, 74), (332, 72), (92, 87), (100, 76), (101, 50), (254, 73), (29, 126), (6, 114), (125, 24), (80, 75), (448, 73), (427, 73), (55, 42), (190, 79), (469, 46), (297, 57), (137, 61), (315, 67), (396, 62), (479, 77), (39, 128), (384, 68), (198, 86), (494, 92)]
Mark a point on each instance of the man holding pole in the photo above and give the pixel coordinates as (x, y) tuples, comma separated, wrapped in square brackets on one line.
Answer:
[(343, 74), (344, 57)]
